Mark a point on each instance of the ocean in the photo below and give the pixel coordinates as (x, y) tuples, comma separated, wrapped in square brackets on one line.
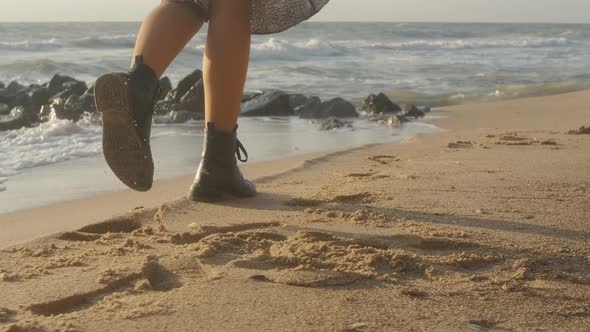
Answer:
[(432, 64)]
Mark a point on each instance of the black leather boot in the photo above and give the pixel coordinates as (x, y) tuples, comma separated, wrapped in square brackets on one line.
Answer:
[(218, 174), (126, 101)]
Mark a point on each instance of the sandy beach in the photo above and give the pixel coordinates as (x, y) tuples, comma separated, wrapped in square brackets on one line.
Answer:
[(483, 226)]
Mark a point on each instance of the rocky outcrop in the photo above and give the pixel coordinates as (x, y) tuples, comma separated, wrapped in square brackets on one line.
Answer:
[(59, 83), (176, 117), (19, 117), (332, 123), (194, 99), (184, 85), (336, 107), (272, 103), (411, 110), (379, 104), (165, 87)]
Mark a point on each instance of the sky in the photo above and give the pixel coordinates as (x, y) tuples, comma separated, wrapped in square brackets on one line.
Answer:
[(562, 11)]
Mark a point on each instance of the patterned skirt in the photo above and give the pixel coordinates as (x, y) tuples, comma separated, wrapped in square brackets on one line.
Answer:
[(269, 16)]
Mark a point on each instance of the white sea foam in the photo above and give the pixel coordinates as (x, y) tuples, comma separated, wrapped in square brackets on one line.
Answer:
[(50, 142)]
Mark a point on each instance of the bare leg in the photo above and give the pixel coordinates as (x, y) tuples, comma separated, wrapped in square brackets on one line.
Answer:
[(164, 33), (225, 64)]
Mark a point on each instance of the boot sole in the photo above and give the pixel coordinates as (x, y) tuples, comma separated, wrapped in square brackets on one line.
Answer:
[(124, 150), (214, 196)]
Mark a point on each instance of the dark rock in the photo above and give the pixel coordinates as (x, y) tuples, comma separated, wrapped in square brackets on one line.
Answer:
[(177, 117), (4, 109), (72, 108), (412, 111), (45, 113), (166, 106), (194, 99), (19, 117), (90, 90), (334, 123), (309, 105), (581, 131), (40, 96), (165, 87), (15, 88), (251, 95), (9, 94), (336, 107), (77, 87), (377, 104), (272, 103), (2, 86), (184, 85), (298, 100), (56, 84)]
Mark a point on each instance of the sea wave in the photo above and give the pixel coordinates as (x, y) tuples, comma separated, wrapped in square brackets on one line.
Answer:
[(48, 143)]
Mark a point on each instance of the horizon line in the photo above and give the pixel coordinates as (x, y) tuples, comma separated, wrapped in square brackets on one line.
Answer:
[(336, 21)]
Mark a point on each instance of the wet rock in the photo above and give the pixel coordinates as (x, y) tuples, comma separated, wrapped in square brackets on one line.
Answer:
[(9, 94), (2, 86), (395, 120), (72, 108), (297, 100), (164, 107), (177, 117), (272, 103), (165, 87), (308, 106), (184, 85), (336, 107), (411, 110), (194, 99), (581, 131), (59, 83), (334, 123), (19, 117), (4, 109), (40, 96), (251, 95), (380, 103)]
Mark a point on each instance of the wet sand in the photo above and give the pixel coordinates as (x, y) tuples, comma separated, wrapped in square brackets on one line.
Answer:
[(481, 227)]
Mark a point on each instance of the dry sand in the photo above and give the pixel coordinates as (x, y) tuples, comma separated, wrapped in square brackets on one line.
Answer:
[(484, 226)]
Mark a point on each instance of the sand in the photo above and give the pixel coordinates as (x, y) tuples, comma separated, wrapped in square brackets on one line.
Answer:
[(483, 226)]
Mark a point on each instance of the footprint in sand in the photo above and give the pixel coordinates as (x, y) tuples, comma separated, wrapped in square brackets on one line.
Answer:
[(460, 145), (384, 159)]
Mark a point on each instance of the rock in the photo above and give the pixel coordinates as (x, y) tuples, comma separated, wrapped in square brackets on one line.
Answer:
[(184, 85), (298, 100), (2, 86), (311, 104), (412, 111), (251, 95), (19, 117), (377, 104), (336, 107), (272, 103), (56, 84), (334, 123), (4, 109), (177, 117), (395, 120), (165, 87), (194, 99), (581, 131), (45, 113), (164, 107), (77, 87), (72, 108), (9, 94), (40, 96)]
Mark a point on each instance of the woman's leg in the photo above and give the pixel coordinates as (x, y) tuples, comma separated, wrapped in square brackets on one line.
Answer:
[(165, 32), (225, 64)]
